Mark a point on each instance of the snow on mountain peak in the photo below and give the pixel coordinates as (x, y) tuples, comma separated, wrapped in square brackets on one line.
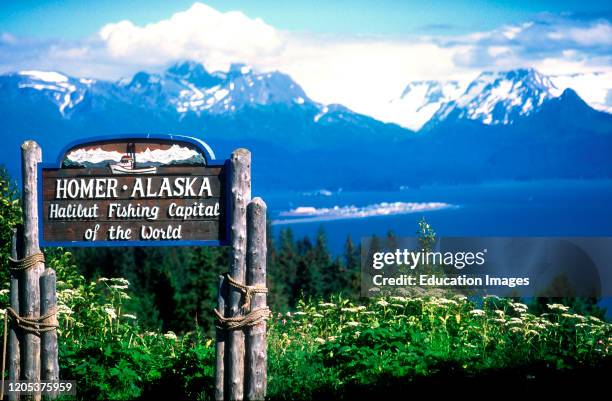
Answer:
[(239, 69), (65, 92), (195, 73), (418, 103), (500, 97), (240, 87), (142, 80), (185, 87), (46, 76)]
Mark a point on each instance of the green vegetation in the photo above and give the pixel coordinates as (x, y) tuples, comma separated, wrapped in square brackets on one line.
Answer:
[(146, 330)]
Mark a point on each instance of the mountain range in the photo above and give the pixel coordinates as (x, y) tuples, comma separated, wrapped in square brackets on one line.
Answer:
[(503, 125)]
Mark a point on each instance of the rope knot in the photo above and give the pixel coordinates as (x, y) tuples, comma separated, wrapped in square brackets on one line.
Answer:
[(36, 325), (26, 263), (247, 290), (253, 318)]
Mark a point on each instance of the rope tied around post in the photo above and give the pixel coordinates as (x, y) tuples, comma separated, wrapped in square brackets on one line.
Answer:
[(247, 290), (36, 325), (253, 318), (26, 263)]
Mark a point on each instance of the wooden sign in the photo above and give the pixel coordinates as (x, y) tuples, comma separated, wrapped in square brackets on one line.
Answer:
[(138, 191)]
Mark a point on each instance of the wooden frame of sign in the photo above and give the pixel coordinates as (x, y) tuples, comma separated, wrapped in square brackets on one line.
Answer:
[(137, 191), (140, 190)]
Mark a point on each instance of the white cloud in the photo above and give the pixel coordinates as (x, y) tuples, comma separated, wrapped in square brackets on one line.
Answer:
[(364, 74), (201, 32), (361, 73), (598, 34)]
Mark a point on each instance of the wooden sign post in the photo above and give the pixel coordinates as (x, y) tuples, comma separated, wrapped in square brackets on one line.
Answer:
[(256, 345), (146, 190), (241, 305)]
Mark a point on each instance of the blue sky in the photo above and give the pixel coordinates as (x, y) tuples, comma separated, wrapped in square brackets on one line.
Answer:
[(74, 19), (358, 53)]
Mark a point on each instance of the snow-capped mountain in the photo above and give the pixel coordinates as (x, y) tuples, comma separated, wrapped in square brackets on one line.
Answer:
[(266, 111), (419, 101), (63, 91), (504, 125), (500, 98), (588, 85), (185, 89), (188, 87)]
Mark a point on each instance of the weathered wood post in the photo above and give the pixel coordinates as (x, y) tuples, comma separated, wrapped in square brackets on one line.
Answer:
[(241, 195), (13, 342), (256, 347), (29, 300), (221, 339), (48, 340)]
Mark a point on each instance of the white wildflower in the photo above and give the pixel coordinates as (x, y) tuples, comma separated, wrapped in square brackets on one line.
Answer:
[(519, 307), (317, 315), (320, 340), (382, 303), (64, 310), (110, 312), (514, 320), (477, 312), (327, 305), (118, 287), (129, 316), (120, 280), (352, 324), (558, 307), (171, 336)]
